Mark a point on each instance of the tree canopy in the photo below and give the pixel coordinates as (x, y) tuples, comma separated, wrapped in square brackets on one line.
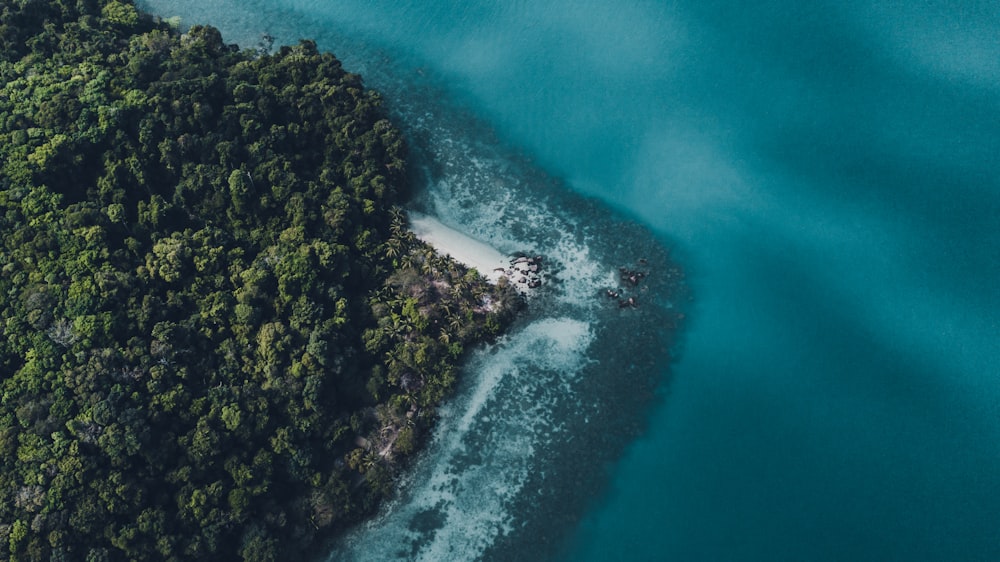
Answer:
[(218, 336)]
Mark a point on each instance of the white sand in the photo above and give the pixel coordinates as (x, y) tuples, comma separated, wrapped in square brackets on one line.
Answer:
[(461, 247)]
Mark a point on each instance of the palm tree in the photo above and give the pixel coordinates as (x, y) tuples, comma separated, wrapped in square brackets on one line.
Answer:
[(458, 287), (397, 222), (446, 309), (401, 326), (427, 264), (455, 322), (406, 262), (393, 247), (369, 461)]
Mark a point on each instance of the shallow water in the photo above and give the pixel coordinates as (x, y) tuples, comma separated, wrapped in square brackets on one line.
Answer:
[(827, 174)]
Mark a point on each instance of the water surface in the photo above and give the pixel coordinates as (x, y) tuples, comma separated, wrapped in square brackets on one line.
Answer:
[(827, 174)]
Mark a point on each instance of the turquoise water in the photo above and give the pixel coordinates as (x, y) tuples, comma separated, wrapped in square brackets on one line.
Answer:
[(827, 174)]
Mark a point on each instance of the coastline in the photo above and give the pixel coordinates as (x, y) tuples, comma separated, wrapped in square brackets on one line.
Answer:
[(510, 396)]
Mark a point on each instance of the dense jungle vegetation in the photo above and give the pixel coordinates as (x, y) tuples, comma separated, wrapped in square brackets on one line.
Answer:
[(218, 337)]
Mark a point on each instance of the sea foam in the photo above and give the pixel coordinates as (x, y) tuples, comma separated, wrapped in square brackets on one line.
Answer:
[(458, 497)]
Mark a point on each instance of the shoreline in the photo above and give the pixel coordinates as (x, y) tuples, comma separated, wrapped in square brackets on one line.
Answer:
[(470, 252)]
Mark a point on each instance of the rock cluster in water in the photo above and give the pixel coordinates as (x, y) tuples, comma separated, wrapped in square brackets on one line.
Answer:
[(525, 273), (630, 283)]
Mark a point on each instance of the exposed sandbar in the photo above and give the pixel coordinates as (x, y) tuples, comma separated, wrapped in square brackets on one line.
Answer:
[(462, 248)]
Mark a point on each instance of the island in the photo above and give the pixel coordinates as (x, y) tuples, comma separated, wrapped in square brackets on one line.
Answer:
[(221, 339)]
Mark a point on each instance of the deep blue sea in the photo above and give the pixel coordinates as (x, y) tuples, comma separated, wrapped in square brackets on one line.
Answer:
[(827, 173)]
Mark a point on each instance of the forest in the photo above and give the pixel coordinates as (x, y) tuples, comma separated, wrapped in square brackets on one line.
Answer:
[(219, 339)]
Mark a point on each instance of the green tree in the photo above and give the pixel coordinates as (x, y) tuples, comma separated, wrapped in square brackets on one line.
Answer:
[(208, 288)]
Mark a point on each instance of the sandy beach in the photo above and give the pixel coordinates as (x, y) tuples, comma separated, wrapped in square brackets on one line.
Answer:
[(461, 247)]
